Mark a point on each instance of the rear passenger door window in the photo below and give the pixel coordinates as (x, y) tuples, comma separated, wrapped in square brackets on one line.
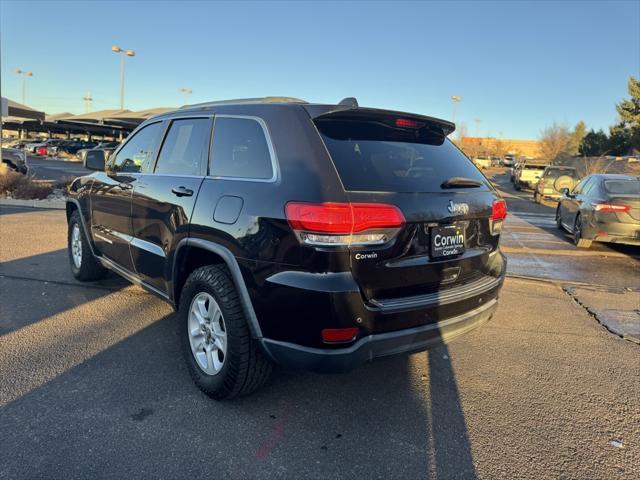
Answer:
[(240, 149), (185, 148)]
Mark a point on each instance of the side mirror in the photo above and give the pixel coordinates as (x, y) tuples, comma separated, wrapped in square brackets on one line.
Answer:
[(565, 192), (95, 160)]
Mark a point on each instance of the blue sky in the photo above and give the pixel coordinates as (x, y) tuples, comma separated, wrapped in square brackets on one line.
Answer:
[(518, 66)]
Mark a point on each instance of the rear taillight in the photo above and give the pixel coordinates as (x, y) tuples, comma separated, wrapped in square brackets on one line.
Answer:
[(541, 183), (498, 214), (41, 150), (344, 223), (611, 207)]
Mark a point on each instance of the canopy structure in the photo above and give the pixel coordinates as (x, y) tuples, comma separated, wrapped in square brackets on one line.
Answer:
[(17, 111), (102, 122)]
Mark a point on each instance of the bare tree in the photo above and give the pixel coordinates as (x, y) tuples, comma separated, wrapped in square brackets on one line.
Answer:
[(556, 141)]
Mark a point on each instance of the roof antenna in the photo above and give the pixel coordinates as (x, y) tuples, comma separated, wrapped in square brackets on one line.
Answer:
[(349, 102)]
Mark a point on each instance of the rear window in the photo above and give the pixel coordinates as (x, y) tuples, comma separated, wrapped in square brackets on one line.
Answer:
[(631, 186), (374, 158), (559, 172)]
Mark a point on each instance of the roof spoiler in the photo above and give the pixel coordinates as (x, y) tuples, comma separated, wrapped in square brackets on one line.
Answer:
[(344, 112)]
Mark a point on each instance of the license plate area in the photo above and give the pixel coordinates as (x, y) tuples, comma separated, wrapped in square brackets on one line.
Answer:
[(447, 241)]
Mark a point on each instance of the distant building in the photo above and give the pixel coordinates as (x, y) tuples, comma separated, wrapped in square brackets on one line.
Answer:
[(499, 146)]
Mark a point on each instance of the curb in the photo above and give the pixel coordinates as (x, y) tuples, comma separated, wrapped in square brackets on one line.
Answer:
[(49, 204)]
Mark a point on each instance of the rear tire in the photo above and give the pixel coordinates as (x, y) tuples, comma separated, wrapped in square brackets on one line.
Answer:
[(577, 234), (84, 265), (244, 367), (559, 219)]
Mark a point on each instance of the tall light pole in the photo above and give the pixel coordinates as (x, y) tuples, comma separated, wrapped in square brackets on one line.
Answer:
[(186, 92), (87, 102), (477, 120), (125, 53), (455, 99), (24, 82)]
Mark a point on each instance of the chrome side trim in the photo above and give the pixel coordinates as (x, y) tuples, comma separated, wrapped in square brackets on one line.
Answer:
[(147, 246), (104, 239), (444, 297)]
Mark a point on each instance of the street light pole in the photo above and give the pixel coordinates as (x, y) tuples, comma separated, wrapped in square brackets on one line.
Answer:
[(186, 92), (456, 99), (24, 82), (125, 53)]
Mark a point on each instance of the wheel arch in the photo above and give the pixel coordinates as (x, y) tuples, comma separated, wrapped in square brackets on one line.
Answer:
[(192, 253)]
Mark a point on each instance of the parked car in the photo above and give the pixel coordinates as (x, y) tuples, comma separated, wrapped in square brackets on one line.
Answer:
[(82, 153), (553, 180), (509, 160), (15, 159), (34, 145), (482, 162), (70, 148), (314, 236), (602, 208), (527, 174)]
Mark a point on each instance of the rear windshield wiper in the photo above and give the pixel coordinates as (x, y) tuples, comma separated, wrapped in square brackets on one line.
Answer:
[(461, 182)]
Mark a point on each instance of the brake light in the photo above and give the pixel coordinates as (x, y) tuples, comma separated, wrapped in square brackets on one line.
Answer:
[(611, 207), (339, 335), (499, 210), (498, 214), (406, 123), (344, 223)]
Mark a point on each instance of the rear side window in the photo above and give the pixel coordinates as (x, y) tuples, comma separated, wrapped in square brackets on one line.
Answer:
[(623, 187), (371, 157), (139, 151), (185, 147), (240, 150)]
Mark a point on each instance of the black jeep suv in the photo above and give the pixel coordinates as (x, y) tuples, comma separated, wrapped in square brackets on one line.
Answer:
[(313, 236)]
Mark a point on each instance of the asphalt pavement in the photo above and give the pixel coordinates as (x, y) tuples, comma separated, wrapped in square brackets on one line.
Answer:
[(45, 168), (93, 384)]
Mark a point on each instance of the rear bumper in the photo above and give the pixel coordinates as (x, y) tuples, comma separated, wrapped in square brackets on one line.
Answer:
[(378, 345), (615, 232)]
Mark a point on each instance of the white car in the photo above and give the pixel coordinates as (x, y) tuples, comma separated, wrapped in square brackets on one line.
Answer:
[(482, 162)]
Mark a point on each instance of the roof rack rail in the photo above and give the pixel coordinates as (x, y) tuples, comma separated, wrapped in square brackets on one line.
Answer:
[(245, 101), (349, 102)]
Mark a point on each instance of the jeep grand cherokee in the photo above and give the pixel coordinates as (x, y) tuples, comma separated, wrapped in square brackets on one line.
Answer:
[(313, 236)]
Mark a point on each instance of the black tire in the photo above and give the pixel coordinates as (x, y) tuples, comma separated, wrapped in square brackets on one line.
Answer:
[(245, 367), (559, 219), (89, 269), (577, 234), (517, 186)]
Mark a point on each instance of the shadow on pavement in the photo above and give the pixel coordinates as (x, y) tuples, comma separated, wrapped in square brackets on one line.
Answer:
[(40, 286), (132, 409)]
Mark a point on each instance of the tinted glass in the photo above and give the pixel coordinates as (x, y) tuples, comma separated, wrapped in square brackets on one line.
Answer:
[(578, 188), (623, 187), (138, 153), (554, 173), (370, 157), (588, 187), (240, 149), (184, 149)]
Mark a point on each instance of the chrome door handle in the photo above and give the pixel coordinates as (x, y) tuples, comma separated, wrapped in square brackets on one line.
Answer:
[(182, 191)]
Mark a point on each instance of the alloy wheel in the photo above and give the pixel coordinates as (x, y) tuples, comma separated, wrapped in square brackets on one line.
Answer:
[(76, 246), (207, 333)]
